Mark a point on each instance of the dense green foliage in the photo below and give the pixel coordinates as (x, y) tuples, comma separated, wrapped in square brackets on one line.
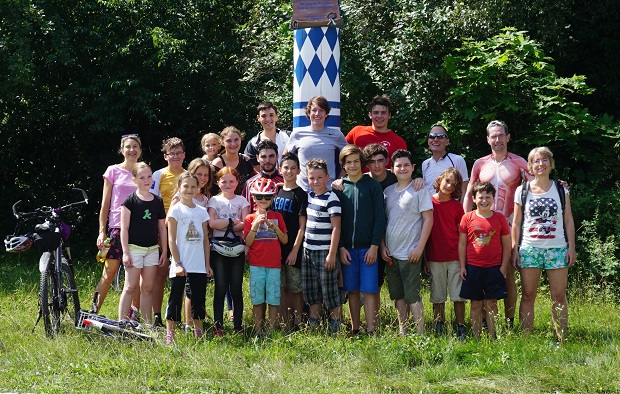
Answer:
[(77, 74)]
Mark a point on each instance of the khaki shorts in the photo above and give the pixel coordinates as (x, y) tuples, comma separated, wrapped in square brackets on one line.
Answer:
[(445, 278), (142, 256)]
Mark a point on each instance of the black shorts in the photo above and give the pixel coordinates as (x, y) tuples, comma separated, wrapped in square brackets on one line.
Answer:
[(483, 284)]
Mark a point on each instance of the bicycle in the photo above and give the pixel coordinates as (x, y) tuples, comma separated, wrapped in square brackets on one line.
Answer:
[(58, 293), (109, 327)]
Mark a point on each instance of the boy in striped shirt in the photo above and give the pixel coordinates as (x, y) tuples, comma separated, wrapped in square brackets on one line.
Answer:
[(320, 268)]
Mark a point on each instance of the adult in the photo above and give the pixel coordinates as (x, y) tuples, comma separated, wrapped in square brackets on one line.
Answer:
[(379, 112), (505, 171), (438, 141), (317, 142), (543, 237), (231, 139), (117, 185), (267, 155), (267, 116)]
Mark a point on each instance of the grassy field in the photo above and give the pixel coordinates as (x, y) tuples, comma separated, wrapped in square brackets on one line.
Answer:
[(304, 362)]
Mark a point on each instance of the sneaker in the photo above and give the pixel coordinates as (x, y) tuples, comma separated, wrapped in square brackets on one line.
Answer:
[(187, 328), (461, 331), (169, 338), (510, 322), (157, 322), (133, 314), (218, 333), (438, 329), (354, 333), (198, 333), (403, 332), (334, 325)]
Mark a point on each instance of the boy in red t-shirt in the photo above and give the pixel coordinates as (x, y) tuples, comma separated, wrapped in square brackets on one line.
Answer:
[(264, 230), (442, 250), (484, 255)]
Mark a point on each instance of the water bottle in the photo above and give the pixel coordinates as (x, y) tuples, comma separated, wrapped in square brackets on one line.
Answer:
[(103, 253)]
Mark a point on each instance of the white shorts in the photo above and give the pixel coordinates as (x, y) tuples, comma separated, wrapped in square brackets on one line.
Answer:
[(144, 256), (445, 277)]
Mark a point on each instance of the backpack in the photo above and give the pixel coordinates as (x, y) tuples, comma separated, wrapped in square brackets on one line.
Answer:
[(525, 190)]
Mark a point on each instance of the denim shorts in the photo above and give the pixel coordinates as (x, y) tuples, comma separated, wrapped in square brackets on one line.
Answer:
[(549, 259)]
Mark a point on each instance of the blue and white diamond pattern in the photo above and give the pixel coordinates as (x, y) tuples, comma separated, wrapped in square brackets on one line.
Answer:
[(316, 71)]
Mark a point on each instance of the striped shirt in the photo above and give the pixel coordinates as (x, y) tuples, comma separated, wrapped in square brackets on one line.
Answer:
[(318, 226)]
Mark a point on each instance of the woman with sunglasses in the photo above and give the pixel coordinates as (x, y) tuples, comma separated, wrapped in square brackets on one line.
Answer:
[(441, 159)]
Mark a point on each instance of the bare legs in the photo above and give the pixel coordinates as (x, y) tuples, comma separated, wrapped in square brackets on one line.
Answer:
[(558, 279), (417, 310)]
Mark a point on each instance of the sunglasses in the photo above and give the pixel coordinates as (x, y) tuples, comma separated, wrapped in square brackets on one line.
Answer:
[(260, 197), (440, 136), (130, 135)]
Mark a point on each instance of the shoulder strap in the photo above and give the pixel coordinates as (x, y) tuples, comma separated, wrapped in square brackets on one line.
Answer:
[(562, 196), (524, 191)]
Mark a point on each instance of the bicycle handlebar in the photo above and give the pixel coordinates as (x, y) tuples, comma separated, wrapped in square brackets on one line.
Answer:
[(46, 211)]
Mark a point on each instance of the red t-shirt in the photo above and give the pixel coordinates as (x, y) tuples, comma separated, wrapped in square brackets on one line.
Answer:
[(443, 243), (363, 136), (265, 250), (484, 238)]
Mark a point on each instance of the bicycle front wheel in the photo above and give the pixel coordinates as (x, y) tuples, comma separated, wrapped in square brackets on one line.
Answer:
[(69, 290), (46, 300)]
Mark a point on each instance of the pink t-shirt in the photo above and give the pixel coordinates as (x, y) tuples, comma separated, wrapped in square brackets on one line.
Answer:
[(484, 238), (505, 175), (122, 186), (443, 243)]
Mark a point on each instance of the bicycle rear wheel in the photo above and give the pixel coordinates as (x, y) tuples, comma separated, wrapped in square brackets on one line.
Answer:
[(69, 290)]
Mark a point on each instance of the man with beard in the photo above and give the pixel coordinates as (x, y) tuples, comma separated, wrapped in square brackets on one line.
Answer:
[(267, 158)]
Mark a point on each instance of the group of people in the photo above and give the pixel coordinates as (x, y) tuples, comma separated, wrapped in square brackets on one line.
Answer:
[(322, 218)]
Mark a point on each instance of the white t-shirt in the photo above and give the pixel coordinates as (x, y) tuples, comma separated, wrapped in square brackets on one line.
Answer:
[(431, 169), (543, 224), (403, 210), (227, 209), (190, 237)]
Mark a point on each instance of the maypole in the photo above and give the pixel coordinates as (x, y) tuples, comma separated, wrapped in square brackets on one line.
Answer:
[(316, 57)]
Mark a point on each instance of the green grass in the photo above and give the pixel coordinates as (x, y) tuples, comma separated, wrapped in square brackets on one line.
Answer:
[(304, 362)]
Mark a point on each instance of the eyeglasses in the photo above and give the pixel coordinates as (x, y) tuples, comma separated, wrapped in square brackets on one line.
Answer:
[(440, 136), (266, 197), (541, 161), (175, 154)]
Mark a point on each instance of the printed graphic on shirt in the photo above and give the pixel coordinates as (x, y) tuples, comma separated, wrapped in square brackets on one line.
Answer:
[(147, 215), (482, 238), (192, 234), (544, 213), (264, 232)]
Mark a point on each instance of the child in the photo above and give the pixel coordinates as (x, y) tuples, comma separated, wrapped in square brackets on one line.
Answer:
[(201, 169), (442, 250), (264, 230), (363, 225), (291, 201), (165, 182), (142, 227), (224, 209), (189, 246), (409, 222), (484, 255), (319, 270), (231, 138), (211, 145)]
